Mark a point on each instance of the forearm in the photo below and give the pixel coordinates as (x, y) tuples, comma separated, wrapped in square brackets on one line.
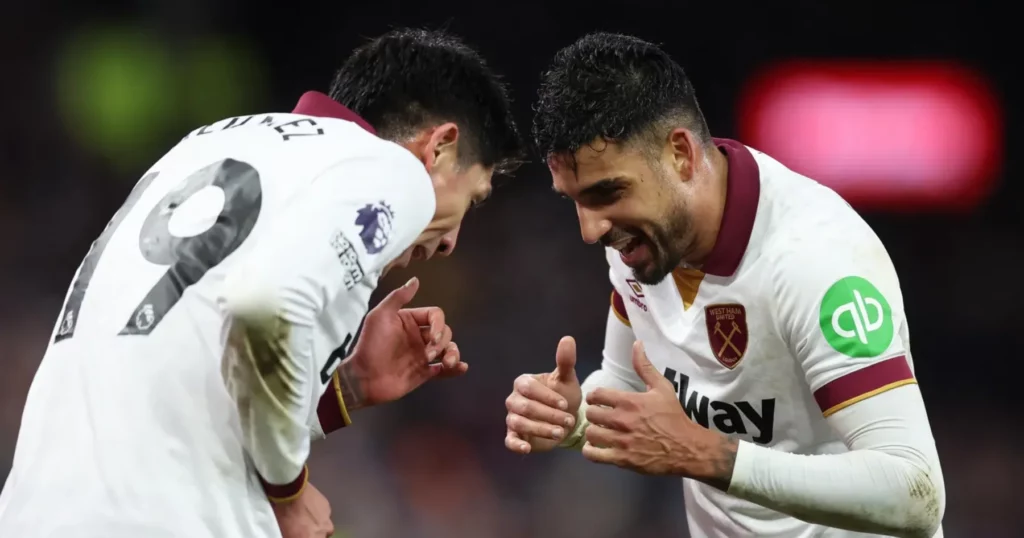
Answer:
[(890, 482), (863, 490), (271, 379)]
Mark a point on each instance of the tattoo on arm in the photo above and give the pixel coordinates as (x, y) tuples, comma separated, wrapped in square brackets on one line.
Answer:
[(351, 386), (723, 459)]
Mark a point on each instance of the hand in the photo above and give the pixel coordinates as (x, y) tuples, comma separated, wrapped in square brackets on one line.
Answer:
[(308, 516), (649, 432), (542, 407), (395, 351)]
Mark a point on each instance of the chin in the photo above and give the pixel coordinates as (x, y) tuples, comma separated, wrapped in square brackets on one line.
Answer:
[(650, 274)]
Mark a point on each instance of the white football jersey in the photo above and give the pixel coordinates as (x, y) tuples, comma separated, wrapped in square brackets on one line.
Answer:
[(797, 315), (130, 429)]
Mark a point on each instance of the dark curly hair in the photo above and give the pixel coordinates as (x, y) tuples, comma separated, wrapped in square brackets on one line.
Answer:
[(408, 78), (614, 87)]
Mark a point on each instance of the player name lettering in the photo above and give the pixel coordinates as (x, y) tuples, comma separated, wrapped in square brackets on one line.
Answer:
[(725, 312), (287, 129), (740, 418)]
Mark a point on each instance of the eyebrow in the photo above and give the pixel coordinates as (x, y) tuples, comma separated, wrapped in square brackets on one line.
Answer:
[(597, 187)]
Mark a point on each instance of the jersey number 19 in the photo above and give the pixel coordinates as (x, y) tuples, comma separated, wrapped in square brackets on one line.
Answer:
[(187, 258)]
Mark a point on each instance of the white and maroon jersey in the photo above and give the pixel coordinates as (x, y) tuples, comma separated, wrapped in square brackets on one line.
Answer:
[(796, 316), (134, 424)]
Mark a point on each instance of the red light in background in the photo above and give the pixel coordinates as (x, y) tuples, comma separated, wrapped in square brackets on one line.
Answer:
[(883, 135)]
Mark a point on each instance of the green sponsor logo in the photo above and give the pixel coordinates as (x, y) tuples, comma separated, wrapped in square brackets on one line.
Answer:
[(855, 318)]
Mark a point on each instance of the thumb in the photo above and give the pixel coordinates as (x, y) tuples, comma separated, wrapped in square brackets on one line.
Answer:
[(565, 360), (647, 372), (400, 297)]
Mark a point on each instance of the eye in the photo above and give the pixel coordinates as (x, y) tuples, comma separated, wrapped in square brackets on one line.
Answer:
[(605, 195)]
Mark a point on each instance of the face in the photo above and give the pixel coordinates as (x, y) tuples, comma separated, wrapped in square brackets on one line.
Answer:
[(637, 202), (457, 188)]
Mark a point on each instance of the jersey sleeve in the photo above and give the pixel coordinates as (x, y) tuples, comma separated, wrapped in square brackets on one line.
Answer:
[(840, 308), (340, 231), (841, 311)]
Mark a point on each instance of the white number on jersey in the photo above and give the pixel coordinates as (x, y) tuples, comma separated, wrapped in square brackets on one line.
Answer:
[(187, 258)]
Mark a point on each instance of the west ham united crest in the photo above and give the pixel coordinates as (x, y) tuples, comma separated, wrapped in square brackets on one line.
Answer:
[(727, 332)]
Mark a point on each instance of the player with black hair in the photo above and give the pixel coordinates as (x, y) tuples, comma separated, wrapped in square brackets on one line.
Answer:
[(756, 344), (197, 353)]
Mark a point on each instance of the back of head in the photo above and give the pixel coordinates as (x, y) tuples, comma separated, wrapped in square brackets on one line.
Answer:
[(409, 79), (615, 88)]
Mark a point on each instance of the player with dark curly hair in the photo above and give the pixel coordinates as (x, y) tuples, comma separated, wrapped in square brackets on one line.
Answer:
[(756, 345)]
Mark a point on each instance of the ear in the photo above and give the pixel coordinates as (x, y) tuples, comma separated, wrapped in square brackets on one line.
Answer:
[(441, 146), (685, 152)]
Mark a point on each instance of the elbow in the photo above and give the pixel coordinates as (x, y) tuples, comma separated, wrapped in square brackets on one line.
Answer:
[(248, 301), (924, 505), (254, 299)]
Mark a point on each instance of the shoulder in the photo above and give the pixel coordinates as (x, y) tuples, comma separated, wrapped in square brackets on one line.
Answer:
[(813, 229), (373, 166), (818, 244)]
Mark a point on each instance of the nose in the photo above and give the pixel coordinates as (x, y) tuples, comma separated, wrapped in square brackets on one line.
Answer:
[(592, 225), (447, 244)]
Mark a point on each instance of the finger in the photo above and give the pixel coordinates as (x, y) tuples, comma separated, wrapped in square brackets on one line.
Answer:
[(451, 356), (599, 454), (531, 428), (435, 348), (647, 372), (459, 370), (565, 359), (606, 397), (402, 296), (603, 437), (532, 410), (531, 387), (515, 443), (606, 418), (451, 364), (423, 373), (431, 317)]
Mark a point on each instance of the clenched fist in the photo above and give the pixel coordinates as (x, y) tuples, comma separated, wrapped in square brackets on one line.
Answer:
[(542, 407)]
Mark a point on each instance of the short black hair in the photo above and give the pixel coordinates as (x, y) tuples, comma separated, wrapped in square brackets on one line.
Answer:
[(405, 79), (613, 87)]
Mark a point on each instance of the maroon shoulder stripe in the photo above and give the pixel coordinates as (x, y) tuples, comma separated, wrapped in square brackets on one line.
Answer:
[(863, 384)]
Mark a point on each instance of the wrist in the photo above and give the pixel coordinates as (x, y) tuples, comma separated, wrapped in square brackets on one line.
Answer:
[(577, 437), (286, 493), (342, 397), (352, 384), (717, 466)]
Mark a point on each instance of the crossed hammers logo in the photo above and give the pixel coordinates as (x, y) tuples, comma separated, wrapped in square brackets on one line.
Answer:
[(728, 338)]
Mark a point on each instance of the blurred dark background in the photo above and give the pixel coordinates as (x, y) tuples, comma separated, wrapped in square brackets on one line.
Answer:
[(94, 92)]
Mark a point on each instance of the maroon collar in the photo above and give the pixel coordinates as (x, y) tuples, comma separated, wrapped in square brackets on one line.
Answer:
[(741, 193), (322, 106)]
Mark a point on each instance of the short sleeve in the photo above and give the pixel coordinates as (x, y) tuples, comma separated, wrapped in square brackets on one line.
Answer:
[(840, 308)]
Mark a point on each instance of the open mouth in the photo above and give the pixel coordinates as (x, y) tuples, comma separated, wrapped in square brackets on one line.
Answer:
[(627, 246)]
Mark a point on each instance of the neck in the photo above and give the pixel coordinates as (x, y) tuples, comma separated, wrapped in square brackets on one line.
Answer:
[(708, 212)]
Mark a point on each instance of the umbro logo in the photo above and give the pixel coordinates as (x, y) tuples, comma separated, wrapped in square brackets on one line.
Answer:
[(637, 293)]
